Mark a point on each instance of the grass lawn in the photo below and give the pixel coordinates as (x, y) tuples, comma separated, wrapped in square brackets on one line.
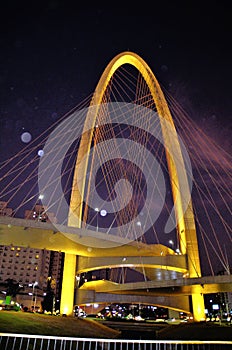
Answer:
[(40, 324)]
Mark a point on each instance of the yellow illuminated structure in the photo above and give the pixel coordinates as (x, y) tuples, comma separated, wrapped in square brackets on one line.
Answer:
[(186, 229), (30, 233), (69, 272)]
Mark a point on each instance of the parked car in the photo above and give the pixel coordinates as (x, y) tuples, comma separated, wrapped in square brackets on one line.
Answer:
[(79, 312)]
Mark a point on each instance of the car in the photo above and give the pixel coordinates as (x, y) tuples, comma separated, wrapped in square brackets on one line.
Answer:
[(79, 312), (11, 307)]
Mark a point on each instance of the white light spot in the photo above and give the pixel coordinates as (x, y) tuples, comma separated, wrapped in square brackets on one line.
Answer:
[(26, 137), (40, 153), (103, 212)]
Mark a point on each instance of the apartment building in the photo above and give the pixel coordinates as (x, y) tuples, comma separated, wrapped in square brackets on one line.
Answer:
[(33, 269)]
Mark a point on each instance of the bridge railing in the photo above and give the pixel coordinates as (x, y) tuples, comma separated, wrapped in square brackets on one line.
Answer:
[(38, 342)]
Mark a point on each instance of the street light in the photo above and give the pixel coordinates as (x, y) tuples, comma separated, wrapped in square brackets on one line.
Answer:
[(34, 295), (102, 212), (97, 211)]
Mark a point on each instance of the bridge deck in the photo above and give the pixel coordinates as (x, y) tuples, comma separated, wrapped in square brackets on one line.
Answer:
[(41, 235)]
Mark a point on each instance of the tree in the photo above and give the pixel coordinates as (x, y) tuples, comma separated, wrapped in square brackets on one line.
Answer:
[(12, 289)]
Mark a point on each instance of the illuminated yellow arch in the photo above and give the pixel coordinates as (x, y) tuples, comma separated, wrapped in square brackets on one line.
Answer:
[(186, 224)]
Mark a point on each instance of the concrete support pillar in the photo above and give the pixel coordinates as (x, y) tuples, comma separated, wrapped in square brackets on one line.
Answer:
[(68, 284), (198, 306)]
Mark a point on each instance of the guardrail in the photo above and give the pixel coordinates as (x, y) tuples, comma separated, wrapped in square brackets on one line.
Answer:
[(10, 341)]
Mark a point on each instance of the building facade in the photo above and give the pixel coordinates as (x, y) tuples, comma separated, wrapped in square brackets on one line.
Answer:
[(36, 270)]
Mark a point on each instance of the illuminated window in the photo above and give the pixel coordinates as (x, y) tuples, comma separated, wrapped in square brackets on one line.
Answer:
[(17, 254), (37, 256), (12, 248)]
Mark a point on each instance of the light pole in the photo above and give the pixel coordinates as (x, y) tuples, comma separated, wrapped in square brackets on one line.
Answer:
[(97, 211), (101, 212), (34, 295)]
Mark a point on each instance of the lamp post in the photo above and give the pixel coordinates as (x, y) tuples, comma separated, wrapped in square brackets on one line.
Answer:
[(101, 212), (97, 211), (34, 295)]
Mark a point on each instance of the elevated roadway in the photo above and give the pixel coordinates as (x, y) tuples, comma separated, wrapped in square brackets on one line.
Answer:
[(167, 286)]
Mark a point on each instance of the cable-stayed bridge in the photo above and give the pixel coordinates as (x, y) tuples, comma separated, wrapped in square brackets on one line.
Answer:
[(130, 219)]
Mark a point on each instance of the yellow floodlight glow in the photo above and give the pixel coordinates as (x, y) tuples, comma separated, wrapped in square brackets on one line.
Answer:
[(198, 307), (185, 220), (67, 295)]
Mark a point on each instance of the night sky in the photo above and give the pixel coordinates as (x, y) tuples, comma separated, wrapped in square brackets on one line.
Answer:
[(54, 52)]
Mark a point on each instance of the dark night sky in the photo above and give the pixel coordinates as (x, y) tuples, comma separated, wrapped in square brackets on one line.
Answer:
[(54, 52)]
